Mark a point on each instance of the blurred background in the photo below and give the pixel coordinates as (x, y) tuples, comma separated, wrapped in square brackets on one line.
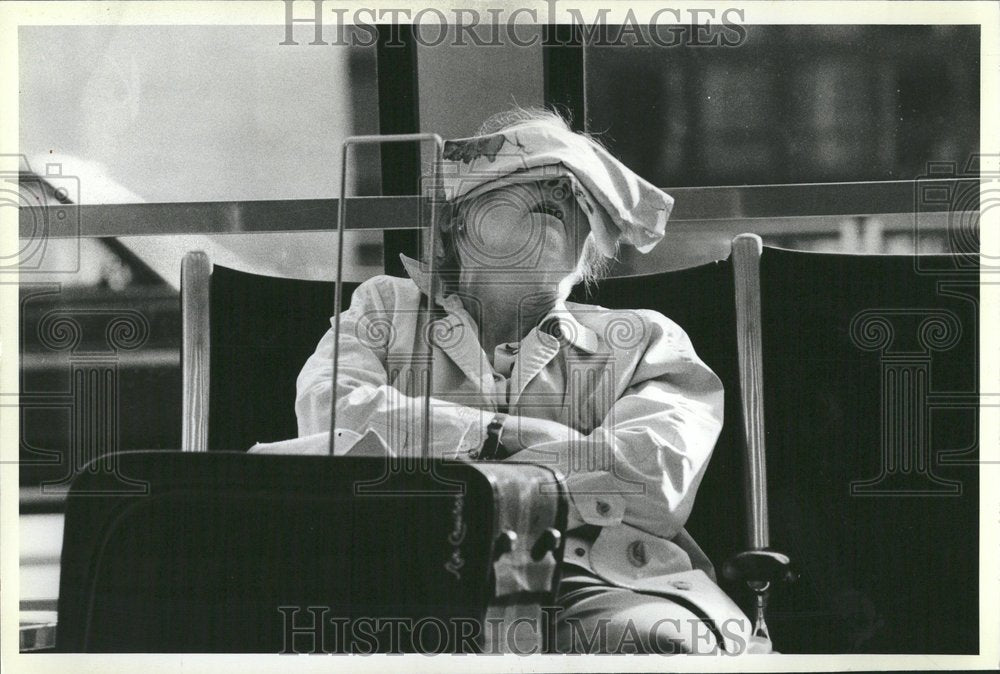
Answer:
[(143, 114), (179, 114)]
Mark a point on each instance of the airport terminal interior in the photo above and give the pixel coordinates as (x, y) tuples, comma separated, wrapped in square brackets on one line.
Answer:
[(156, 141)]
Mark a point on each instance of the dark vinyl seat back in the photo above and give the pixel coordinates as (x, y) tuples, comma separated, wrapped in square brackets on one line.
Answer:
[(263, 328), (871, 367), (892, 566)]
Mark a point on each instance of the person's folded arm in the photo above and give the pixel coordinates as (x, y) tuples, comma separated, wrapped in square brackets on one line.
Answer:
[(367, 400), (365, 397), (644, 463)]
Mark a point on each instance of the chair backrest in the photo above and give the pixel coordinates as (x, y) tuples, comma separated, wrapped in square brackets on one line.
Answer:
[(871, 365), (262, 329), (859, 351), (871, 395)]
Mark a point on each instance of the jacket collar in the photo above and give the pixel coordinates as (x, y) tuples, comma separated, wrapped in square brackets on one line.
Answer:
[(559, 322)]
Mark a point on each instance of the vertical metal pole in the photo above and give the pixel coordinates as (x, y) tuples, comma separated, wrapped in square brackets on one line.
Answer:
[(337, 288), (338, 285), (432, 291)]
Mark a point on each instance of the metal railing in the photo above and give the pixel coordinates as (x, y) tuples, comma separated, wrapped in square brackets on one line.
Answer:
[(694, 206)]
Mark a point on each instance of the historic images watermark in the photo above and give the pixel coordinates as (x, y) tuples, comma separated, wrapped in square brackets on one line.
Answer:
[(332, 24), (317, 630), (46, 207), (88, 340), (965, 191), (911, 341)]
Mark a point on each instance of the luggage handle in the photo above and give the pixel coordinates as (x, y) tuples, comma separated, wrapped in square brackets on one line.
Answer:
[(428, 310)]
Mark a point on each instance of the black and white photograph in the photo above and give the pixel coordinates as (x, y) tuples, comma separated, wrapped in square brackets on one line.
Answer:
[(499, 336)]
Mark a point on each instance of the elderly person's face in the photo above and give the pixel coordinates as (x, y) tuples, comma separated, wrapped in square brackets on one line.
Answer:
[(528, 233)]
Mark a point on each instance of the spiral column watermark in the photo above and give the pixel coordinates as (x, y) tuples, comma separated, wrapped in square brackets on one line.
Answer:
[(907, 460), (93, 397)]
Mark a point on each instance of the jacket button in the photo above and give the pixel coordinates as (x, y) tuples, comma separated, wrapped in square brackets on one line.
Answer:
[(580, 552), (548, 542), (504, 543), (603, 508), (637, 554)]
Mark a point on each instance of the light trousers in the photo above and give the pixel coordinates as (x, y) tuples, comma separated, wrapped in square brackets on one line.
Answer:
[(597, 617)]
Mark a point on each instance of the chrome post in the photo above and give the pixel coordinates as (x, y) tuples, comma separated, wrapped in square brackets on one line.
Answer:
[(341, 219)]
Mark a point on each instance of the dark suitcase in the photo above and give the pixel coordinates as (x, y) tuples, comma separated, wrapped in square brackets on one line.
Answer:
[(229, 552)]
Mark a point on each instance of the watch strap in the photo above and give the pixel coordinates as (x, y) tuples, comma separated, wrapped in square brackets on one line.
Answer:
[(492, 449)]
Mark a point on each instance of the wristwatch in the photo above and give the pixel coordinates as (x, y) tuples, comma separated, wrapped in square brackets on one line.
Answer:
[(493, 448)]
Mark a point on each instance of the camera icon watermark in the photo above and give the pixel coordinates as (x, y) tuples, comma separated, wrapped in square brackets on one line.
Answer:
[(500, 216), (46, 207), (950, 199)]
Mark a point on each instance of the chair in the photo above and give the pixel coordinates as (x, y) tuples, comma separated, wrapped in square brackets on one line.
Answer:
[(871, 411), (718, 305), (226, 552), (876, 507), (253, 297), (872, 402), (253, 334)]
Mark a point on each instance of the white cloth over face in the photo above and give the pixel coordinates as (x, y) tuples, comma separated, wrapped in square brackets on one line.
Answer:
[(620, 205)]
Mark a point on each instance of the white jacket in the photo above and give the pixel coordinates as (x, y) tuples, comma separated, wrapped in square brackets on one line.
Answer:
[(639, 411)]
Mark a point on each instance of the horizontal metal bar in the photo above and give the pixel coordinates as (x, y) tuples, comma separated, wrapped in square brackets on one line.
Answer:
[(375, 139), (400, 212), (225, 217)]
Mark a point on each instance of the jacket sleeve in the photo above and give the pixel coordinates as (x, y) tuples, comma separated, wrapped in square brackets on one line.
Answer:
[(366, 400), (644, 463)]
